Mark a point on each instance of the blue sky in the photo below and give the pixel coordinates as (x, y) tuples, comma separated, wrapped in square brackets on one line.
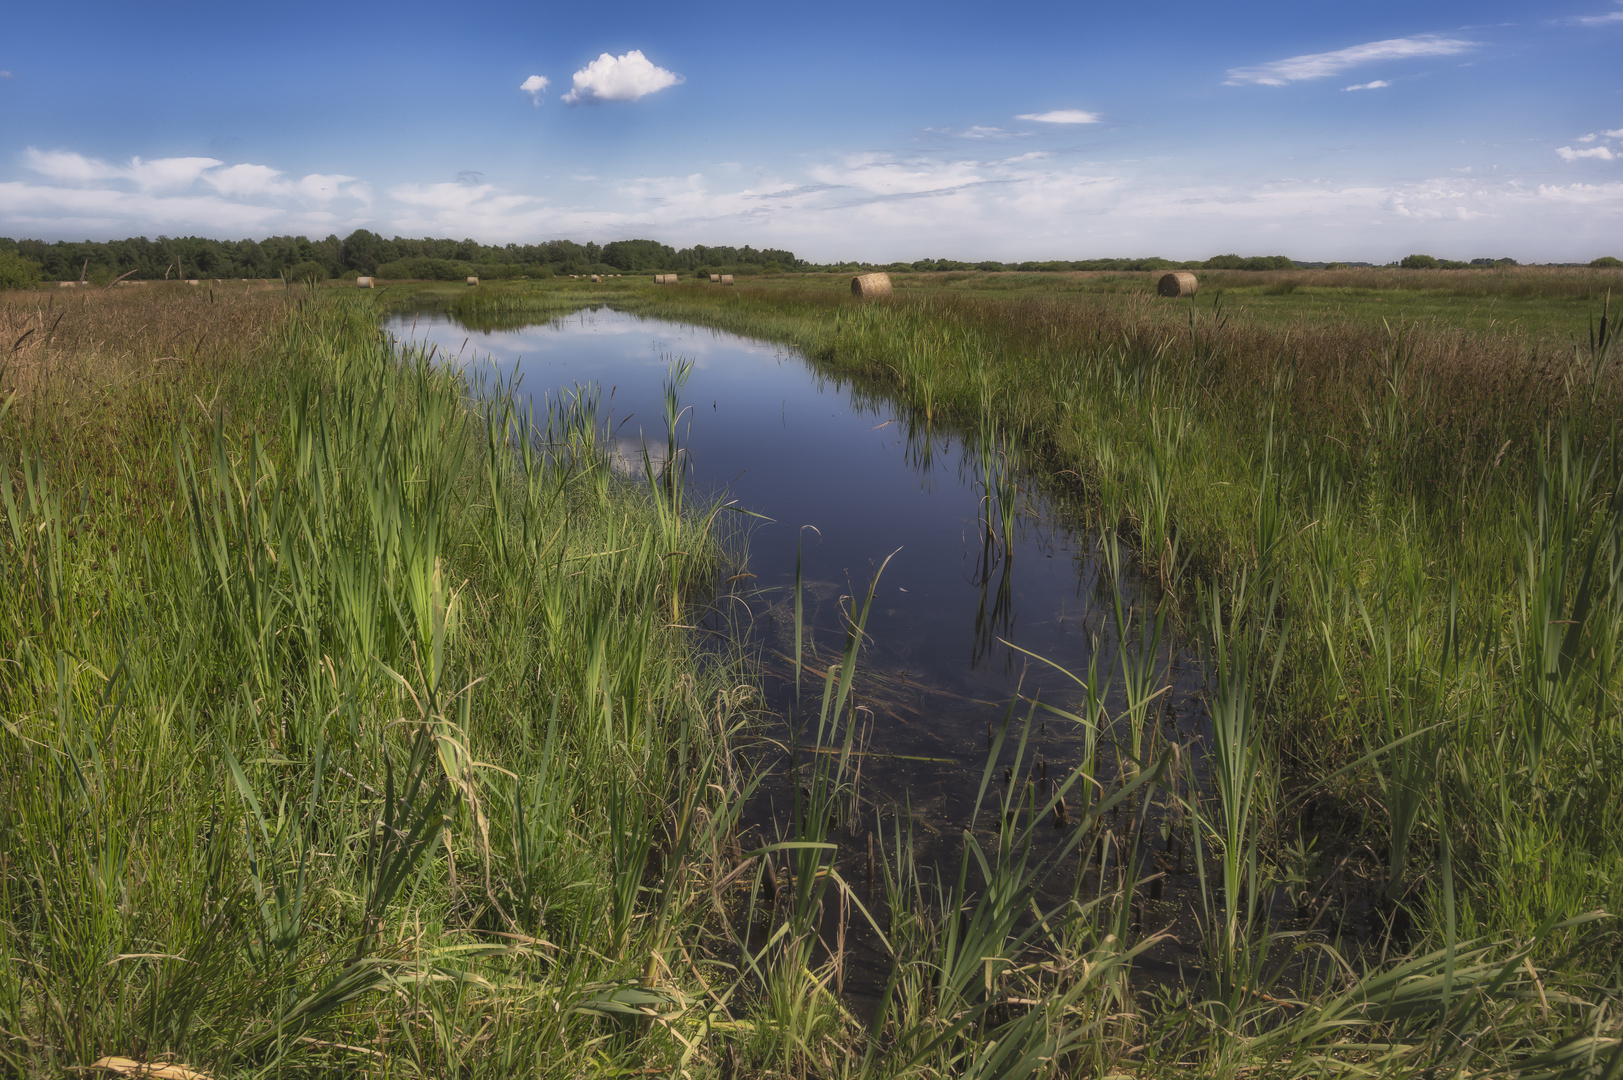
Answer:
[(892, 131)]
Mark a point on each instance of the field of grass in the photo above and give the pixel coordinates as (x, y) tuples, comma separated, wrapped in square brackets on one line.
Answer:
[(351, 724), (1403, 540), (348, 722)]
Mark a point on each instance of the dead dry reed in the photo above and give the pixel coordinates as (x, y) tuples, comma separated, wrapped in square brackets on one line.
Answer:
[(116, 372)]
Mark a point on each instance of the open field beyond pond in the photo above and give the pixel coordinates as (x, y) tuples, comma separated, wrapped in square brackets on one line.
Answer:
[(353, 722)]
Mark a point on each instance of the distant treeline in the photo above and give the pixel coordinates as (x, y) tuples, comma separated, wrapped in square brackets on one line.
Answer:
[(365, 252)]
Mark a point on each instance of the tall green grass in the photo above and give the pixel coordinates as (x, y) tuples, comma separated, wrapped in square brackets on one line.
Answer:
[(377, 743), (379, 749), (1413, 543)]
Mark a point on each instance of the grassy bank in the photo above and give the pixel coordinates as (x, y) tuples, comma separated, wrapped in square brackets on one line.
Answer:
[(1435, 509), (1401, 547), (338, 738)]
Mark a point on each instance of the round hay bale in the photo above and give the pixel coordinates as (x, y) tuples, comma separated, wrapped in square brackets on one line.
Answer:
[(715, 277), (363, 283), (193, 281), (726, 279), (596, 278), (871, 286), (1178, 283), (473, 281), (67, 284)]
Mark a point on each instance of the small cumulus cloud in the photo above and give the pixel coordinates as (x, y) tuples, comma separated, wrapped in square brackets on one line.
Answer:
[(1062, 116), (619, 78), (1322, 65), (1587, 138), (1376, 85), (535, 86), (6, 75), (1614, 134), (1599, 153)]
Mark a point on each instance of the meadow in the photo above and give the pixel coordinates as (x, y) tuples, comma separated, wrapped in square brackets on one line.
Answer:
[(352, 724)]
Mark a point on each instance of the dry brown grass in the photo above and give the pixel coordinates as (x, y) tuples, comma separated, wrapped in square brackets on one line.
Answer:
[(102, 377), (94, 345)]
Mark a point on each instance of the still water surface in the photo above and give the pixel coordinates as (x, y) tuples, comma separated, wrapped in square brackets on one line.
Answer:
[(844, 481)]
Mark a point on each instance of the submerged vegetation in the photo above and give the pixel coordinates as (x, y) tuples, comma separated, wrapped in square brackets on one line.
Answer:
[(353, 722)]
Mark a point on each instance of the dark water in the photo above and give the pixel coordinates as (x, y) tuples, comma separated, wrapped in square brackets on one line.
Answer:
[(845, 481)]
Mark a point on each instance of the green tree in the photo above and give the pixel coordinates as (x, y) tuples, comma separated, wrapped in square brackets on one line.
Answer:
[(1418, 262), (17, 272), (308, 272), (361, 251)]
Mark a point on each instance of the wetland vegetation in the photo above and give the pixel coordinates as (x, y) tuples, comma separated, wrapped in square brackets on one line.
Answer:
[(352, 723)]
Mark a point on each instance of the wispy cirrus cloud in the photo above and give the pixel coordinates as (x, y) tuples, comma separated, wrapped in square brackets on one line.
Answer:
[(1322, 65), (978, 131), (1062, 116), (619, 78), (1605, 18), (1378, 84)]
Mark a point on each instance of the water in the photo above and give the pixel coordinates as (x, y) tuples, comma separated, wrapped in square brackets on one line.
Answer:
[(842, 480)]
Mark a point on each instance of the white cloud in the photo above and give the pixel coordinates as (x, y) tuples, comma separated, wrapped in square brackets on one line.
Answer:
[(1376, 85), (88, 196), (535, 86), (6, 75), (978, 131), (1587, 138), (263, 182), (619, 78), (1595, 20), (246, 181), (1600, 153), (1321, 65), (161, 173), (1617, 134), (1062, 116), (873, 205)]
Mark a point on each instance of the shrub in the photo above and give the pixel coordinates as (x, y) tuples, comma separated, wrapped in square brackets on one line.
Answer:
[(307, 272), (1418, 262), (1606, 262), (17, 272)]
